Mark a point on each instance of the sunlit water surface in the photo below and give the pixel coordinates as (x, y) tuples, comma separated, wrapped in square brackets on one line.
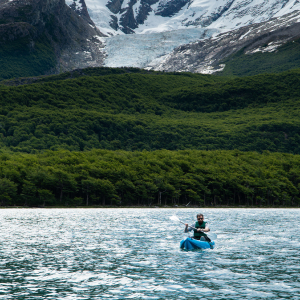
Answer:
[(134, 254)]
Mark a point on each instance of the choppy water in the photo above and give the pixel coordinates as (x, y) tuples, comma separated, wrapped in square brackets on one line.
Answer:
[(134, 254)]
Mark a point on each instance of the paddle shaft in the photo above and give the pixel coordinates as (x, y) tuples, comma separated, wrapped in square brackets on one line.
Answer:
[(213, 236), (190, 226)]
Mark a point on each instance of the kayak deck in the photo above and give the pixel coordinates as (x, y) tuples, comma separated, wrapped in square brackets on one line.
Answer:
[(191, 244)]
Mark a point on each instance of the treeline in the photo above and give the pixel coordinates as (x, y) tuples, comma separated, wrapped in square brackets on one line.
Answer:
[(132, 109), (158, 178)]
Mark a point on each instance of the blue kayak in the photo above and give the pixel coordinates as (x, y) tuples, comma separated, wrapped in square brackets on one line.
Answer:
[(191, 244)]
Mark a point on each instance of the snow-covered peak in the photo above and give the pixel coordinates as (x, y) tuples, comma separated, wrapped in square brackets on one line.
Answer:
[(149, 16), (158, 27), (77, 4)]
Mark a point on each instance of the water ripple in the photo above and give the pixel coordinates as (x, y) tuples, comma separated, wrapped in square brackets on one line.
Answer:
[(134, 254)]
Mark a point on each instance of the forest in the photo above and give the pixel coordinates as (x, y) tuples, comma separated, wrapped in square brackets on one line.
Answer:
[(131, 109), (17, 58), (156, 178), (131, 137)]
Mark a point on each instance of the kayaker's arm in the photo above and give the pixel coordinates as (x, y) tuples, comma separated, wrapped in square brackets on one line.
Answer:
[(187, 229), (206, 229)]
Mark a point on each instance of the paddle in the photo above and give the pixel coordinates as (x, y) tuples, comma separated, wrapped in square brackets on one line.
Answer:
[(212, 236)]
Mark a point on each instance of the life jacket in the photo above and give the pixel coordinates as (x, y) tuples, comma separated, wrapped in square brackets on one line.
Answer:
[(202, 226)]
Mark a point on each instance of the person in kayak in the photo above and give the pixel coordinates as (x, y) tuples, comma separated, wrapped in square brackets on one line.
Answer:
[(201, 226)]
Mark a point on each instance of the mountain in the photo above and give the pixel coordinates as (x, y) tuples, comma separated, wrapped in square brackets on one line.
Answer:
[(198, 36), (233, 37), (148, 16), (271, 46), (41, 37)]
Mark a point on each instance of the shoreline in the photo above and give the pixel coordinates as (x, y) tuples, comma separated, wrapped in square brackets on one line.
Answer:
[(151, 207)]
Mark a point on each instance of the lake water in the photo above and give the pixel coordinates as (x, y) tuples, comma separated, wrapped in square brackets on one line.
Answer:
[(134, 254)]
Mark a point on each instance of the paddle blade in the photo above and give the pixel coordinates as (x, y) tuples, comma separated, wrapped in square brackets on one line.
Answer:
[(175, 218), (212, 236)]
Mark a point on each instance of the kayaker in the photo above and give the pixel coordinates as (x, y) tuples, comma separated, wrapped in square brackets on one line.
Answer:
[(201, 226)]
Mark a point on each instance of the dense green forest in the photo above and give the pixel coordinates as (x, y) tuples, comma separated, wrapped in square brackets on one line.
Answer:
[(103, 136), (186, 177), (131, 109), (17, 58)]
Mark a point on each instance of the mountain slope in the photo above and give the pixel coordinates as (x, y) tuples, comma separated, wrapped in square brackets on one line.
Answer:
[(248, 50), (136, 110), (40, 37)]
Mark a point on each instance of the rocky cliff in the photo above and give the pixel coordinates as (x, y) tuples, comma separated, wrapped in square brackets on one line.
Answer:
[(80, 8)]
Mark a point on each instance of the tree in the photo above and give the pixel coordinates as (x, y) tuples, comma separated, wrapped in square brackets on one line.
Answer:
[(8, 190), (88, 186), (45, 195), (63, 181), (29, 193)]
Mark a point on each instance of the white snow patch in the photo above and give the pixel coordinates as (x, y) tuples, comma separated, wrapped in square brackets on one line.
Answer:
[(211, 70), (125, 4), (241, 37), (77, 3), (271, 47), (136, 8)]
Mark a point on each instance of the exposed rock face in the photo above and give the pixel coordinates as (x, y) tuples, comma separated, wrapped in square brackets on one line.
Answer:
[(65, 29), (88, 55), (170, 8), (80, 8), (13, 31), (114, 6), (127, 21), (134, 14), (205, 56)]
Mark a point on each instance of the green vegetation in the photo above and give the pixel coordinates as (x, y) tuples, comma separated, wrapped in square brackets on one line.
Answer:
[(102, 177), (23, 57), (149, 110), (286, 57), (57, 136)]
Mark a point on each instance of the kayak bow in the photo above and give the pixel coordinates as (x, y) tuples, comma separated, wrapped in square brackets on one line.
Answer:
[(192, 244)]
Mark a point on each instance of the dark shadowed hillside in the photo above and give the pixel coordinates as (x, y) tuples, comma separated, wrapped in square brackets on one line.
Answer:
[(41, 37)]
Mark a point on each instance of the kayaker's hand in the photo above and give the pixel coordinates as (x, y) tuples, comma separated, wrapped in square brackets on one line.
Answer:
[(199, 230), (186, 227)]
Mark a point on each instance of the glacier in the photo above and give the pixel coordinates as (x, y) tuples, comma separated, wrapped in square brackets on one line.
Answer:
[(147, 50), (155, 35)]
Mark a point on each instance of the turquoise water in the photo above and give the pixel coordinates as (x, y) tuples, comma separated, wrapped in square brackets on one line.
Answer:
[(134, 254)]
